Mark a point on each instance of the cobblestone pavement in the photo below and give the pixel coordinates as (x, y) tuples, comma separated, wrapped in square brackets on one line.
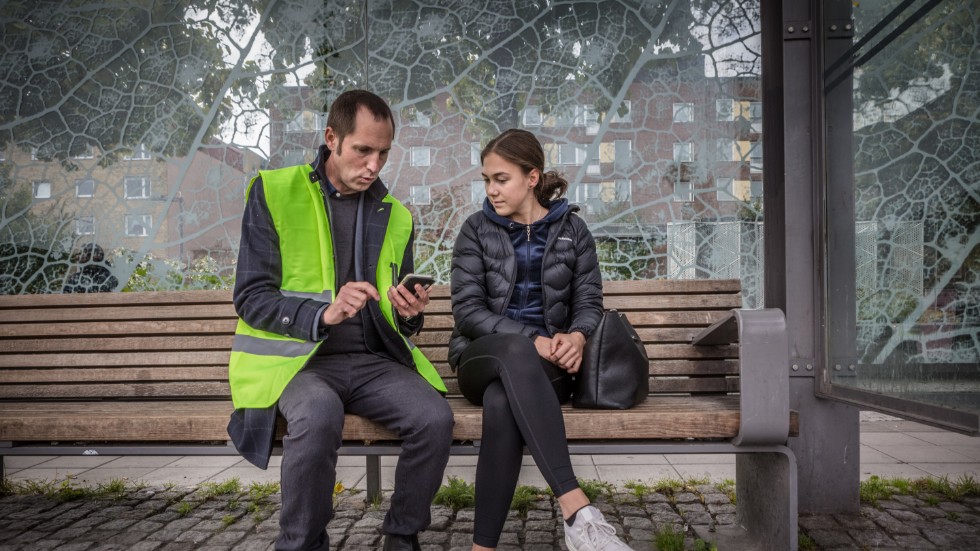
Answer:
[(165, 519)]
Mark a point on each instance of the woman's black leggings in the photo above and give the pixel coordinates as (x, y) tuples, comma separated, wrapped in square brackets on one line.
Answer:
[(521, 395)]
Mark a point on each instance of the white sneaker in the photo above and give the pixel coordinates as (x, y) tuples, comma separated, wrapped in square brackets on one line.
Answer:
[(591, 532)]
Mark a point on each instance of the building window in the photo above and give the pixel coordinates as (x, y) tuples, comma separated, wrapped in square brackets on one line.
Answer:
[(571, 154), (593, 168), (682, 152), (138, 225), (85, 153), (755, 157), (421, 195), (623, 151), (683, 192), (416, 118), (140, 153), (478, 191), (623, 190), (683, 112), (531, 116), (725, 149), (307, 121), (725, 108), (726, 189), (421, 156), (591, 121), (475, 153), (84, 188), (624, 113), (755, 116), (756, 189), (42, 190), (137, 188), (85, 225), (586, 192)]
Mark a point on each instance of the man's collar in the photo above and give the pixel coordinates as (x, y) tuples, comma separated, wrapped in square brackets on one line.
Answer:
[(318, 174)]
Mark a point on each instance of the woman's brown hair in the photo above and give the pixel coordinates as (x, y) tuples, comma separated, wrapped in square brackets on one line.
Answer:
[(524, 150)]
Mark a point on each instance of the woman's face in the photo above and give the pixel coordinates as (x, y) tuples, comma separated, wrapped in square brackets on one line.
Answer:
[(510, 190)]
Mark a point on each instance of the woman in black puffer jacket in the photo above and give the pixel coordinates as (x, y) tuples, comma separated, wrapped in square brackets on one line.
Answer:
[(526, 293)]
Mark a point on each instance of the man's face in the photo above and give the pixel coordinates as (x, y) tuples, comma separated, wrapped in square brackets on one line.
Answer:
[(354, 166)]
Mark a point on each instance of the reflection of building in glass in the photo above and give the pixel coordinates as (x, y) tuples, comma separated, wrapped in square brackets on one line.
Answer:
[(187, 207)]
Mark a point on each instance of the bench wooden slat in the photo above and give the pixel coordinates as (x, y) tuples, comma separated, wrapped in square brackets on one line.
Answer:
[(120, 328), (99, 300), (192, 389), (664, 417), (117, 374), (115, 344), (116, 359), (120, 313)]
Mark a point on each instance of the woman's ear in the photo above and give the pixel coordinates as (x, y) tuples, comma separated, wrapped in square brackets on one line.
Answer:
[(535, 177)]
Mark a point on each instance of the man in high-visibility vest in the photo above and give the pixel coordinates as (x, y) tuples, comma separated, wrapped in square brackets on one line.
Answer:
[(323, 329)]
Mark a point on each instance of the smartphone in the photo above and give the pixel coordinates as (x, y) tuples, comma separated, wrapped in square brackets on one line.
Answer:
[(410, 280)]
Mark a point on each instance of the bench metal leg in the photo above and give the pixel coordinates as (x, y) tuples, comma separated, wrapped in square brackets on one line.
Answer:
[(766, 504), (373, 478)]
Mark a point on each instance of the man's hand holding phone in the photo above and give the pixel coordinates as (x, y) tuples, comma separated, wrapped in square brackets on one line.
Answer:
[(411, 295)]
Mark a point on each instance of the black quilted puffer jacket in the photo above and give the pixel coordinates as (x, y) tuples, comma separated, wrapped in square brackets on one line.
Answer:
[(485, 273)]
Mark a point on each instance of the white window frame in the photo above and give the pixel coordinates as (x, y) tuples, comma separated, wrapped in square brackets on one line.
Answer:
[(79, 183), (726, 190), (587, 191), (594, 167), (755, 157), (139, 153), (571, 154), (627, 118), (725, 149), (421, 195), (42, 189), (475, 151), (85, 225), (725, 109), (628, 146), (421, 155), (478, 191), (683, 191), (144, 221), (619, 185), (755, 116), (531, 115), (591, 121), (145, 187), (683, 113), (683, 152)]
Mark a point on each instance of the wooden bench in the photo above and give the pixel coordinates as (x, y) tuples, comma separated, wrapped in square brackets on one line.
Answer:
[(146, 374)]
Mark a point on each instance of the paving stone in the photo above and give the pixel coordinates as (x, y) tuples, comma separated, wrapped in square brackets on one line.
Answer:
[(912, 541), (830, 539), (872, 539)]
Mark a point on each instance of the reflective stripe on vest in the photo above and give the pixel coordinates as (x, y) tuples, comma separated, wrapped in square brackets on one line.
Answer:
[(262, 363)]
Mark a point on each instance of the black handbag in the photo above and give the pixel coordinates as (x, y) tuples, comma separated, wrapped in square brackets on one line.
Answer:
[(615, 372)]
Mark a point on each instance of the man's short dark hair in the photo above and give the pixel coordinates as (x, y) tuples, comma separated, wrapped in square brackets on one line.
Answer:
[(343, 112)]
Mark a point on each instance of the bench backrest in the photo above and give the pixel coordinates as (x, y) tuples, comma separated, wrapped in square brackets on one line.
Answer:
[(175, 345)]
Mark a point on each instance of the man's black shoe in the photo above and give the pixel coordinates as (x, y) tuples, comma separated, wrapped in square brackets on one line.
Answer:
[(395, 542)]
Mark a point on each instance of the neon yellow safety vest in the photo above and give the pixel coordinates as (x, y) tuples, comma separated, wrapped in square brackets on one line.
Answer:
[(262, 363)]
